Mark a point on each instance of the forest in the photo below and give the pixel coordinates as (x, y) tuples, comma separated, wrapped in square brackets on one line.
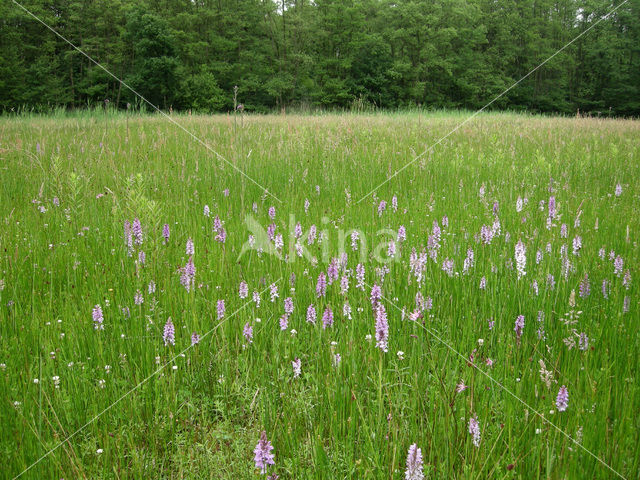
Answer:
[(308, 55)]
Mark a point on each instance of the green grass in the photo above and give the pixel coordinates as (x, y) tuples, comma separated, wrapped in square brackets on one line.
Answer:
[(357, 420)]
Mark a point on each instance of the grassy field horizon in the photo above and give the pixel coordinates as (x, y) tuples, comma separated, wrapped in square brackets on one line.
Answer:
[(163, 309)]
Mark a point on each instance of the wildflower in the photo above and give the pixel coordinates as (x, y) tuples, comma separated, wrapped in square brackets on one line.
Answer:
[(327, 318), (221, 235), (207, 212), (360, 272), (165, 232), (381, 207), (333, 271), (220, 309), (137, 231), (284, 322), (552, 207), (272, 213), (344, 284), (626, 280), (346, 310), (448, 267), (618, 190), (278, 242), (217, 223), (354, 240), (402, 234), (247, 331), (583, 342), (577, 245), (321, 285), (382, 328), (563, 230), (273, 292), (394, 203), (483, 283), (376, 294), (391, 249), (263, 456), (128, 237), (137, 298), (468, 261), (195, 338), (187, 278), (562, 400), (152, 287), (618, 265), (585, 287), (243, 290), (256, 298), (519, 326), (311, 236), (461, 387), (297, 366), (534, 286), (311, 314), (605, 288), (474, 429), (168, 334), (189, 248), (414, 463), (551, 281), (97, 318), (288, 305), (521, 259), (142, 257), (336, 360), (307, 204), (486, 234)]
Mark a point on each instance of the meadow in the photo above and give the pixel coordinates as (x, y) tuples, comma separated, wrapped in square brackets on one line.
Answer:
[(159, 310)]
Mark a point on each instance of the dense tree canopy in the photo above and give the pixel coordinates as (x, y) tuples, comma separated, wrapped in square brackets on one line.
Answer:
[(189, 54)]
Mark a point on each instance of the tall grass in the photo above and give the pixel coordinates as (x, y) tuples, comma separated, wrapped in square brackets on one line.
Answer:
[(201, 416)]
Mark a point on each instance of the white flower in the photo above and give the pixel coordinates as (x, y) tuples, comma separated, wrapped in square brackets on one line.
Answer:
[(400, 355), (99, 451)]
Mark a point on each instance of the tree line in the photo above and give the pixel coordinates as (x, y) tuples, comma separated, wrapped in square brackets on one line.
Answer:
[(328, 54)]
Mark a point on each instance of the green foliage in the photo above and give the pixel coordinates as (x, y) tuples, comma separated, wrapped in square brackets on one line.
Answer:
[(332, 54)]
